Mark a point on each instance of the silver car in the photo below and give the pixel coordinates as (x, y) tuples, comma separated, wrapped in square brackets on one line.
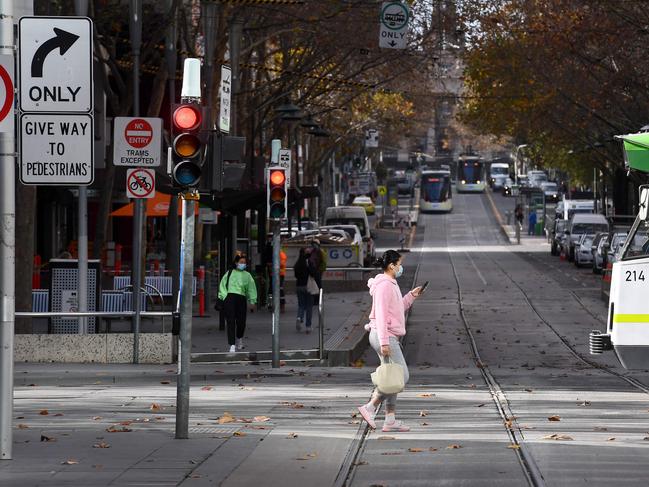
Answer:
[(583, 250)]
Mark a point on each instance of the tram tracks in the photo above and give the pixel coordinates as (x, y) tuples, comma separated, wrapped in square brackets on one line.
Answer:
[(578, 355), (514, 432)]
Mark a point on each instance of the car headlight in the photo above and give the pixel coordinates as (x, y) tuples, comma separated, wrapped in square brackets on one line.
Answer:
[(463, 181)]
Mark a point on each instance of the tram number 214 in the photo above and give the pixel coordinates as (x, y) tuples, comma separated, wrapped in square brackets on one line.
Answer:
[(633, 276)]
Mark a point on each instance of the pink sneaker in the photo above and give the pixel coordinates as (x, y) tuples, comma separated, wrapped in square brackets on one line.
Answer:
[(367, 416), (396, 425)]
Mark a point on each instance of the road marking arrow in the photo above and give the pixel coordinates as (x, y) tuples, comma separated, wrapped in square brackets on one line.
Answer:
[(62, 39)]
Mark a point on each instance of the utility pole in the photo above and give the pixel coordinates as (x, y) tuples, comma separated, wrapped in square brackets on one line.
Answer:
[(191, 92), (7, 254), (276, 290), (135, 30)]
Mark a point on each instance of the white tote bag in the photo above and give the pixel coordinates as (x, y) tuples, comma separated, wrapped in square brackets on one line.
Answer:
[(312, 286), (388, 378)]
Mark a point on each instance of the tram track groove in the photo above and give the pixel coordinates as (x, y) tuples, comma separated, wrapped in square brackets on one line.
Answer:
[(514, 431), (629, 380)]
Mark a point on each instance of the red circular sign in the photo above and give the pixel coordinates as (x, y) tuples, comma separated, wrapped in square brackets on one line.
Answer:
[(138, 133), (9, 96), (140, 183)]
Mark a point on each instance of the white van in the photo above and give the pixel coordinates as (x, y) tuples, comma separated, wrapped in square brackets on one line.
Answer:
[(352, 215), (498, 174), (581, 224), (567, 208)]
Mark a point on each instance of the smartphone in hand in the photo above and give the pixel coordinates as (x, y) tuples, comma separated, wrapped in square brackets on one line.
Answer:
[(423, 288)]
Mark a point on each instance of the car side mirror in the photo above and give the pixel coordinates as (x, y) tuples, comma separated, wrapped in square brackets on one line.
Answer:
[(644, 202)]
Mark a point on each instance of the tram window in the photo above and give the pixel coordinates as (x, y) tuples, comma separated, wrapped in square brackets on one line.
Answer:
[(639, 246)]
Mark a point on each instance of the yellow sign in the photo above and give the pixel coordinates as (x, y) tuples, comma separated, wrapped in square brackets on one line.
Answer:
[(394, 202), (383, 190)]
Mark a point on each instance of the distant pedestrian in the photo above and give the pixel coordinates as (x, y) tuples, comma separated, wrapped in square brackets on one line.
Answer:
[(518, 214), (531, 220), (237, 286), (387, 324), (304, 272)]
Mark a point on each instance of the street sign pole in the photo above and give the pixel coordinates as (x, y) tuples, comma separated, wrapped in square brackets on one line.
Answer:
[(135, 30), (7, 254)]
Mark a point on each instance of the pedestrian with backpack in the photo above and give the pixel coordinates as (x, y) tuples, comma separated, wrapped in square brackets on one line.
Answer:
[(388, 324), (237, 286)]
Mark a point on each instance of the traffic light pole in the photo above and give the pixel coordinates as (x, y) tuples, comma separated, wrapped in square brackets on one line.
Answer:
[(185, 336), (7, 254), (276, 244)]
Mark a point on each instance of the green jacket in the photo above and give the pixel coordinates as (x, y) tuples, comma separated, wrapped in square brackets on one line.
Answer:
[(241, 282)]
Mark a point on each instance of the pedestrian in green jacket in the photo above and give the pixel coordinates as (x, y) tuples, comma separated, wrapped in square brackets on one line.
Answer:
[(237, 286)]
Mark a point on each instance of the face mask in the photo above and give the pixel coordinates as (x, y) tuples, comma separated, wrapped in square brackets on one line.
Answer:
[(241, 267), (399, 272)]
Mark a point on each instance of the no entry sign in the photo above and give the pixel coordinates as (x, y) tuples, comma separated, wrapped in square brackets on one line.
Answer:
[(138, 141), (140, 183), (6, 93)]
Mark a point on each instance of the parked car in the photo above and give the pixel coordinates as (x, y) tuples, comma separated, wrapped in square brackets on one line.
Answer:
[(405, 185), (597, 259), (580, 224), (558, 232), (599, 256), (617, 242), (353, 215), (507, 187), (365, 202), (583, 250)]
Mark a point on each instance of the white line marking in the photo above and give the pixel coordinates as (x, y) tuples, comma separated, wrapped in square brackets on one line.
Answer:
[(484, 281)]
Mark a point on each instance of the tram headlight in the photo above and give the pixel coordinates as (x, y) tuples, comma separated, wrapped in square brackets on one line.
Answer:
[(463, 181), (478, 181)]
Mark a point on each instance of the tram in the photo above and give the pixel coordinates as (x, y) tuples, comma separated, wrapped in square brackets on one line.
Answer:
[(435, 191), (627, 330), (471, 175)]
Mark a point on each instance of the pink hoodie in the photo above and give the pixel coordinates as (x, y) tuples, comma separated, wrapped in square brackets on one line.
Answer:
[(388, 315)]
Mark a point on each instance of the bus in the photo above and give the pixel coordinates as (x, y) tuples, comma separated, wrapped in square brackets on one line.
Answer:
[(470, 175), (435, 191)]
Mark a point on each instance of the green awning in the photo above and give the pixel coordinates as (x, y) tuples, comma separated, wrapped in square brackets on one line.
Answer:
[(636, 151)]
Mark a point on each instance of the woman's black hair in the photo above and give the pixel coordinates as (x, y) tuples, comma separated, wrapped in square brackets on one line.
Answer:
[(237, 258), (388, 257)]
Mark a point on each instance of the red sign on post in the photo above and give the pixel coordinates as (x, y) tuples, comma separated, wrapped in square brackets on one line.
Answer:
[(140, 183), (138, 133)]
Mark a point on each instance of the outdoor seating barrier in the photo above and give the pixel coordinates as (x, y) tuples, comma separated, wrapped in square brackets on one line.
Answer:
[(164, 284), (40, 300)]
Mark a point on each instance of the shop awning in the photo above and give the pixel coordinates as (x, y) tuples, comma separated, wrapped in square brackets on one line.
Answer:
[(158, 206)]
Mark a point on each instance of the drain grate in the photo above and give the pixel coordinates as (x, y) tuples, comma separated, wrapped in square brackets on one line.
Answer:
[(212, 430)]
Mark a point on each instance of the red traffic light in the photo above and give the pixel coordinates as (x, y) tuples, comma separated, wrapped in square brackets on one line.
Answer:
[(187, 117), (277, 177)]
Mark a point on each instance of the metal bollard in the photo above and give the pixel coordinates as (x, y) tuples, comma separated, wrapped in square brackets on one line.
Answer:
[(508, 214), (321, 325), (518, 233)]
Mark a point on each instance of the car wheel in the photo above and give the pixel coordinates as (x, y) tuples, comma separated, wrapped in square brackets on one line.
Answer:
[(571, 255)]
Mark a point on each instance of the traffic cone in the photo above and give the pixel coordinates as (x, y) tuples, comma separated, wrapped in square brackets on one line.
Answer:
[(562, 254), (607, 272)]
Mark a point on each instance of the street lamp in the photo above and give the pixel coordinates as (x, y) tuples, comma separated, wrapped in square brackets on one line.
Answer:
[(289, 112), (518, 148), (318, 131)]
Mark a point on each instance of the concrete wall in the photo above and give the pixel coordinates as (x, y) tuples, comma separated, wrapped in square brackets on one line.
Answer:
[(107, 348)]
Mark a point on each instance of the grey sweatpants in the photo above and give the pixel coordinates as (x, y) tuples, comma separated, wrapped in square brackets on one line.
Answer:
[(396, 357)]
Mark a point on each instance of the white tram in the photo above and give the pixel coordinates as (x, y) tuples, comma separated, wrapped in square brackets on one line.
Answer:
[(471, 175), (435, 191)]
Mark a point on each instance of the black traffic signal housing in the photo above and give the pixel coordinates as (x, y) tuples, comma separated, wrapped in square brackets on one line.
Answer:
[(276, 193), (188, 144)]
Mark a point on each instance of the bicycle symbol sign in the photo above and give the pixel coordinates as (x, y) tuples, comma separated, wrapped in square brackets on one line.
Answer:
[(140, 183)]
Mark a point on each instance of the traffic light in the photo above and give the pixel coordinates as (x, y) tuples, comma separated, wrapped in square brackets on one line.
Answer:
[(276, 194), (188, 144)]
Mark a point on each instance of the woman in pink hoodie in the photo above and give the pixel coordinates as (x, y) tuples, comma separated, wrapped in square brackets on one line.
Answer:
[(387, 324)]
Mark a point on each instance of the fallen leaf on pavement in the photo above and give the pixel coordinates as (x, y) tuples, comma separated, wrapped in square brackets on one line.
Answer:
[(556, 436), (425, 394), (97, 418), (47, 438), (585, 403), (165, 382), (386, 438), (423, 414), (101, 444), (44, 412), (646, 438), (514, 446), (424, 424), (361, 462), (294, 405), (291, 436), (611, 439), (480, 405), (238, 433), (432, 449), (554, 418), (529, 390), (22, 426), (453, 447), (308, 456), (226, 418), (206, 388), (415, 450), (156, 407), (125, 423), (260, 419), (601, 428), (118, 429), (69, 462)]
